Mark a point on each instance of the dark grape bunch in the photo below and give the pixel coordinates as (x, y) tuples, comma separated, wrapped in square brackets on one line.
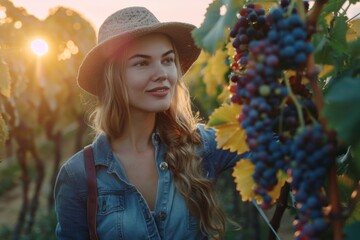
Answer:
[(251, 25), (289, 33), (312, 152), (261, 93), (259, 88), (285, 4), (266, 46)]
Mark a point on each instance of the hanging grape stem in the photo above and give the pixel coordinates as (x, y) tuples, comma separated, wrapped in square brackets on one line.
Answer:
[(312, 74), (281, 206), (295, 101)]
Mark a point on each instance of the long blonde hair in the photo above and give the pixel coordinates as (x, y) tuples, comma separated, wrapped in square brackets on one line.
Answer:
[(178, 130)]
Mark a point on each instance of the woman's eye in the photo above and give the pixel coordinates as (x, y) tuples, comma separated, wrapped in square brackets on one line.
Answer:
[(169, 60), (140, 64)]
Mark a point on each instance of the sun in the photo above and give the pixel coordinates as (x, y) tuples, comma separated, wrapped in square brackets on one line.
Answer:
[(39, 47)]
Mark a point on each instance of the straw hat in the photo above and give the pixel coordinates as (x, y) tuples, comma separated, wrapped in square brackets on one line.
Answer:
[(123, 26)]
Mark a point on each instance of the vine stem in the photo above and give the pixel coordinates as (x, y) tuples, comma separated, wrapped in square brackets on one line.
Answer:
[(280, 209), (336, 210), (336, 213), (312, 74), (295, 101)]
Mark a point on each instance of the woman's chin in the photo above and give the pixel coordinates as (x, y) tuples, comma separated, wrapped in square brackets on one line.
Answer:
[(162, 109)]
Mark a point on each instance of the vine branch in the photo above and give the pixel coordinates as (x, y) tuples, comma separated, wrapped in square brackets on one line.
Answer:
[(280, 209), (312, 74), (295, 101)]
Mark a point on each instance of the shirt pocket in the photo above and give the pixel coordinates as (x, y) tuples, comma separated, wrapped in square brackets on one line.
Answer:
[(109, 203)]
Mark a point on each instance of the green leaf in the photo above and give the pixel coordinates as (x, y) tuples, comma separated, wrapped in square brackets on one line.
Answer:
[(211, 34), (352, 231), (354, 48), (333, 6), (338, 34), (353, 1), (342, 100), (322, 50)]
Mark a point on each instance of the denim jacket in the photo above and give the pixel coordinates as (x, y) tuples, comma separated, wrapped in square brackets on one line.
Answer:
[(122, 211)]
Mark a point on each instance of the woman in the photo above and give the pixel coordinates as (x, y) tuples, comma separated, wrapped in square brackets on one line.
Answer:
[(155, 165)]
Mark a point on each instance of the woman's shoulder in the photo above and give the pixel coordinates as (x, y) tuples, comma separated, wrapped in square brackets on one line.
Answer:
[(75, 165)]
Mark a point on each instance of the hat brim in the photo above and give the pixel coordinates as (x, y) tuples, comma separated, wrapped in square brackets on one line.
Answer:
[(90, 74)]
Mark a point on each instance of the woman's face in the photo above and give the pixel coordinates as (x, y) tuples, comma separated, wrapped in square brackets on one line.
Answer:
[(150, 73)]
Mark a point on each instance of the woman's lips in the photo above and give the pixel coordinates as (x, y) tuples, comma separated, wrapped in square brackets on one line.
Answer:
[(159, 91)]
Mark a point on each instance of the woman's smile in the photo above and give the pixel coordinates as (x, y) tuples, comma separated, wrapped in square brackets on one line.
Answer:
[(159, 91)]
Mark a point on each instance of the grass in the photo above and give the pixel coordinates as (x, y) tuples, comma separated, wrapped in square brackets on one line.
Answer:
[(9, 177), (43, 229)]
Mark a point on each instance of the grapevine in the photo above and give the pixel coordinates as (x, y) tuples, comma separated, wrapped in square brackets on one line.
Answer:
[(279, 114)]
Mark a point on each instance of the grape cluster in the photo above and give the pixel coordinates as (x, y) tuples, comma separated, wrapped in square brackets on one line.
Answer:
[(312, 152), (285, 4), (260, 93), (267, 46), (251, 25), (289, 33)]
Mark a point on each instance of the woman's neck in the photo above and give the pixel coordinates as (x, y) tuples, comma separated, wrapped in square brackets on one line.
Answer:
[(137, 134)]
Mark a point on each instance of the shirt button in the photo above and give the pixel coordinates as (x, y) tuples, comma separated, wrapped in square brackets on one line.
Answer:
[(161, 216), (164, 166), (157, 137)]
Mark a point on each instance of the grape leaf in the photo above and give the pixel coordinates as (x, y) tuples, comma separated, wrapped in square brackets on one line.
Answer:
[(211, 34), (214, 72), (229, 134), (353, 1), (4, 79), (194, 72), (245, 184), (342, 100), (333, 6), (338, 34)]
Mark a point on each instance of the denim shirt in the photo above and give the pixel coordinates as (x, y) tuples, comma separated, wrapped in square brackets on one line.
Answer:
[(122, 211)]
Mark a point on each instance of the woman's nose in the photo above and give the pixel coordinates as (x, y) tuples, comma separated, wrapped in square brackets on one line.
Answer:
[(159, 73)]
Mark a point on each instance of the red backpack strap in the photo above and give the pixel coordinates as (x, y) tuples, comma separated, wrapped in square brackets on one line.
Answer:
[(92, 191)]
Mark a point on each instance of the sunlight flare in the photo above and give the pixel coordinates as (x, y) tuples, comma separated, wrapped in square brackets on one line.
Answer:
[(39, 47)]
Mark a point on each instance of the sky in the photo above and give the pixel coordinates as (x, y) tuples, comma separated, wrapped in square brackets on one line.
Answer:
[(96, 11)]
